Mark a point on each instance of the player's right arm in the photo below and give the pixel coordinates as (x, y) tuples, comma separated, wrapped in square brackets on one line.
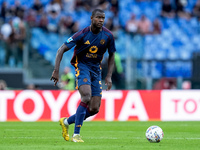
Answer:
[(68, 44), (59, 55)]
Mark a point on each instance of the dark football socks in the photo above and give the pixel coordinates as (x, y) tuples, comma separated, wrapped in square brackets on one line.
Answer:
[(71, 119), (80, 115)]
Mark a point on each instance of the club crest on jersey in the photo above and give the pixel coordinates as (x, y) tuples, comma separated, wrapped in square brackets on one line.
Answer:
[(70, 39), (102, 41)]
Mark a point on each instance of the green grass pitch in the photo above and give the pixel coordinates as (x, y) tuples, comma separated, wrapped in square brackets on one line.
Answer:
[(98, 135)]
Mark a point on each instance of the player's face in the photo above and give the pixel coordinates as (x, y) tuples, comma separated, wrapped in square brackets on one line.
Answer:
[(98, 19)]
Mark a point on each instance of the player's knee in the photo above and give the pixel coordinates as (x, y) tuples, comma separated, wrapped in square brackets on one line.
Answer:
[(94, 110), (85, 97)]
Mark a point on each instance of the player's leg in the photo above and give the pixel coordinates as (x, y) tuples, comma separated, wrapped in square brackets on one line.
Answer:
[(83, 85), (96, 88), (95, 102), (85, 92), (71, 119), (92, 109), (81, 114), (94, 105)]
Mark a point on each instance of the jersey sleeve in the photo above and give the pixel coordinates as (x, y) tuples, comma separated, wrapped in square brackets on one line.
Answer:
[(72, 41), (111, 45)]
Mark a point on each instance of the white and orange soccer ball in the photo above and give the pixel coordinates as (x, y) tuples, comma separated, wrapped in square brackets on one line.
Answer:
[(154, 134)]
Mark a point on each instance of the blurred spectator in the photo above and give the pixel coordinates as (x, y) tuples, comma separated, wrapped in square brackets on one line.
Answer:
[(109, 24), (58, 1), (87, 6), (54, 19), (31, 18), (132, 25), (19, 37), (112, 23), (114, 6), (196, 10), (43, 22), (93, 3), (104, 5), (165, 83), (75, 27), (63, 25), (78, 5), (156, 27), (3, 85), (31, 87), (186, 85), (38, 6), (18, 9), (68, 6), (144, 25), (67, 80), (67, 25), (167, 10), (13, 36), (180, 12), (6, 30), (118, 74), (4, 10), (53, 6), (8, 38)]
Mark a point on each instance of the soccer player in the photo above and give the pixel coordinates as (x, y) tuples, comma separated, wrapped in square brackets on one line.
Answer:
[(91, 44)]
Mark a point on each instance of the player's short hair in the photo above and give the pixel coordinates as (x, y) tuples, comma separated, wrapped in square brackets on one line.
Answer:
[(97, 10)]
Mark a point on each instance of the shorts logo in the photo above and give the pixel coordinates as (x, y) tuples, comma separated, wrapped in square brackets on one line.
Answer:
[(102, 41), (85, 80), (70, 39), (78, 126)]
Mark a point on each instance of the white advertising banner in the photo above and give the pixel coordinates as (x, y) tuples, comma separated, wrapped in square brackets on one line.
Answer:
[(179, 105)]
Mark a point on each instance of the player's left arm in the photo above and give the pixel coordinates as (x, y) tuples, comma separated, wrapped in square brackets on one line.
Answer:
[(59, 55), (71, 42), (111, 62)]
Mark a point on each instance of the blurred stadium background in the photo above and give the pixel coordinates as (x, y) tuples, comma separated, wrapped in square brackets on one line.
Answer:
[(157, 41), (158, 47)]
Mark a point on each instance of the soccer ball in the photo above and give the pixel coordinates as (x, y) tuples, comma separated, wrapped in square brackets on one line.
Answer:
[(154, 134)]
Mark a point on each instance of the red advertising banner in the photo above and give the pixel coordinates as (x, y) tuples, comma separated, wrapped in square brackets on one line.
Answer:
[(47, 105)]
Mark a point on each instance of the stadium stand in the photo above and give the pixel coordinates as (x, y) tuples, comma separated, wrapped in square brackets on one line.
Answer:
[(166, 53)]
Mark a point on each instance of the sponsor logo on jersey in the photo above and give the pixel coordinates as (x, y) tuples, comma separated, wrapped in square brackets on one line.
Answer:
[(93, 49), (87, 42), (69, 40), (91, 55)]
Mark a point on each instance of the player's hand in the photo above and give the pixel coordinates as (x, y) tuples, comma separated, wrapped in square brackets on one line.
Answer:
[(108, 82), (55, 77)]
